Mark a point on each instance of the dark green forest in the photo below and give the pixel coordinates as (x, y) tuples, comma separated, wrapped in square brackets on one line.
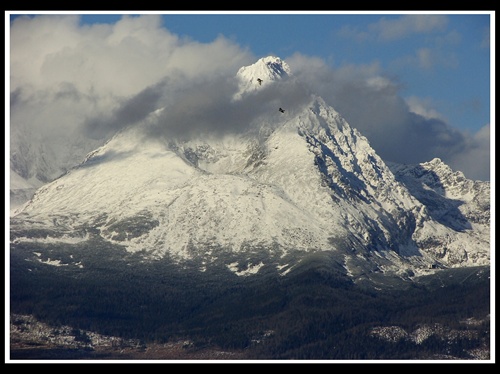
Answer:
[(312, 313)]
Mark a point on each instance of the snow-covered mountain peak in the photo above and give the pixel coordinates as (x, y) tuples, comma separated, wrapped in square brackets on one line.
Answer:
[(438, 166), (266, 69), (262, 73), (437, 176)]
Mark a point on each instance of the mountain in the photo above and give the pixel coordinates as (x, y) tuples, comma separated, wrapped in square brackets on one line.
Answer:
[(287, 185), (454, 201), (261, 226), (35, 161), (21, 190)]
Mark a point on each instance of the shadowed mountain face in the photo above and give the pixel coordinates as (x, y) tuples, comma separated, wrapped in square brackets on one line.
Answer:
[(450, 198), (442, 209)]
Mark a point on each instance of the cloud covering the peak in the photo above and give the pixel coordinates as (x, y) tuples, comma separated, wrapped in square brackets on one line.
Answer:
[(102, 68), (70, 78)]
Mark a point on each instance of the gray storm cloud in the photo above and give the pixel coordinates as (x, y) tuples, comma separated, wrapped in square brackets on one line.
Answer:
[(209, 108), (129, 111), (200, 107)]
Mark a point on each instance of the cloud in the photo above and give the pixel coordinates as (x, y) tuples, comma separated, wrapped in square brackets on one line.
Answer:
[(423, 107), (486, 42), (399, 28), (449, 39), (354, 33), (424, 58), (403, 131), (186, 108), (129, 111), (207, 107), (119, 59), (69, 80), (474, 159), (427, 59), (402, 27)]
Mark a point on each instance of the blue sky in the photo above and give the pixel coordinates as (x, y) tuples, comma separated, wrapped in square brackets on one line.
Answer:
[(437, 64)]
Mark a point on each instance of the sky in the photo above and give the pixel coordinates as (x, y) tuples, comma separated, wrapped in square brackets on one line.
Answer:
[(417, 85)]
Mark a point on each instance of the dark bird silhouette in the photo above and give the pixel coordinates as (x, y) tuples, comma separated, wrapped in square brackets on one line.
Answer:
[(259, 80), (281, 110)]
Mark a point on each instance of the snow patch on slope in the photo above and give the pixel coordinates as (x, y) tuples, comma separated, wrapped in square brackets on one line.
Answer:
[(250, 269)]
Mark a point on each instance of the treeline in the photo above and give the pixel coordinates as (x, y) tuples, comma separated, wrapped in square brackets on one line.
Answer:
[(311, 315)]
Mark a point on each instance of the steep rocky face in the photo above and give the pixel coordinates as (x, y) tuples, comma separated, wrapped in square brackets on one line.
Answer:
[(460, 205), (295, 181), (461, 202)]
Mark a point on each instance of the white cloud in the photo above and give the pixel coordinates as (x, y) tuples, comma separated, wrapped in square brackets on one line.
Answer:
[(399, 28), (427, 59), (475, 157), (424, 58), (486, 41), (423, 107), (350, 32), (119, 59), (451, 38)]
